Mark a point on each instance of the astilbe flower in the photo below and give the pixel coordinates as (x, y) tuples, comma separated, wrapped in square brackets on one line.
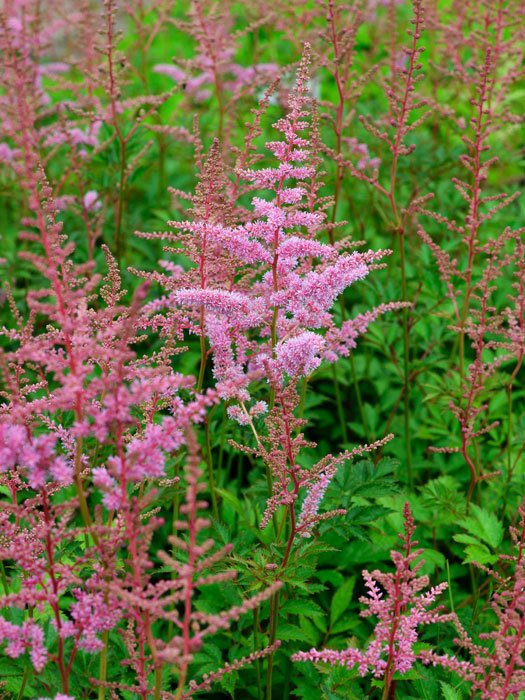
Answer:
[(402, 605), (213, 72), (338, 55), (39, 126), (69, 390), (474, 275), (392, 130), (35, 536), (404, 115), (24, 39), (263, 291), (36, 457), (267, 278), (193, 560), (495, 666), (28, 636), (316, 481), (35, 528), (280, 451), (207, 241), (464, 32), (382, 3), (53, 118)]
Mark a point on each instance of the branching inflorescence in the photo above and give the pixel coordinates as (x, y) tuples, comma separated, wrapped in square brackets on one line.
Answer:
[(173, 483), (398, 601)]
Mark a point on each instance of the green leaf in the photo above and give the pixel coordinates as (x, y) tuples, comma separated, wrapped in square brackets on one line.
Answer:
[(292, 633), (466, 539), (449, 692), (232, 500), (307, 608), (483, 528), (432, 560), (11, 672), (332, 576), (310, 631), (484, 525), (345, 625), (341, 600), (480, 554)]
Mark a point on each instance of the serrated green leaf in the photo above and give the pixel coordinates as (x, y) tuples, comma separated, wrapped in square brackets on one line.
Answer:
[(450, 693), (292, 633), (479, 554), (307, 608), (484, 525), (466, 539)]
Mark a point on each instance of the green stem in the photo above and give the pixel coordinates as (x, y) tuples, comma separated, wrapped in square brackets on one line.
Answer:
[(339, 403), (103, 666), (256, 647), (355, 382), (406, 363), (82, 502), (282, 525), (449, 580), (274, 614), (25, 677), (359, 398), (209, 465), (182, 683), (331, 236), (388, 690), (27, 669), (158, 683), (202, 367)]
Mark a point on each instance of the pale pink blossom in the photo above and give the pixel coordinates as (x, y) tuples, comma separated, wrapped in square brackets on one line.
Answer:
[(401, 605), (300, 355), (92, 201)]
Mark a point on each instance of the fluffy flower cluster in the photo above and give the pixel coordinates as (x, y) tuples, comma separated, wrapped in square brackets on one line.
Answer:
[(398, 601), (312, 501), (235, 77), (214, 66), (300, 355), (143, 458), (20, 639), (36, 457), (495, 666), (194, 561), (81, 407), (276, 315)]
